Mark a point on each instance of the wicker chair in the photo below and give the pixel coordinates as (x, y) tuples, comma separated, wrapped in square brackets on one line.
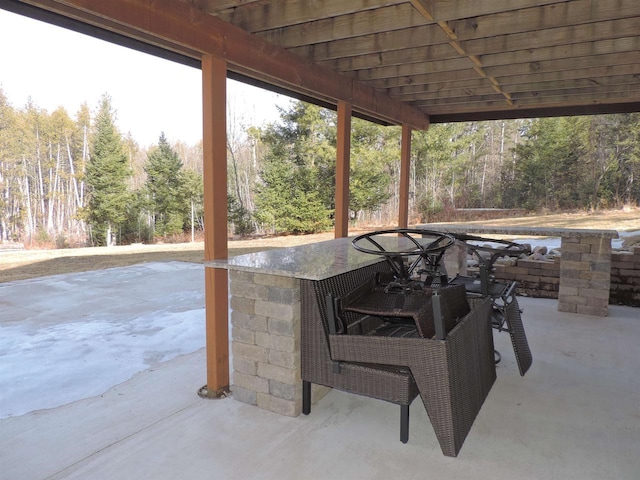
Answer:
[(453, 376), (505, 309), (393, 384)]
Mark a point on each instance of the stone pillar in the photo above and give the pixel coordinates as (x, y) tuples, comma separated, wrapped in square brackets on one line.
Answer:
[(585, 274), (265, 320)]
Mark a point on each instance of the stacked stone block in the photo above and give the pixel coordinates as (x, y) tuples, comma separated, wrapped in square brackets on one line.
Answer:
[(625, 278), (585, 275), (536, 278), (265, 320)]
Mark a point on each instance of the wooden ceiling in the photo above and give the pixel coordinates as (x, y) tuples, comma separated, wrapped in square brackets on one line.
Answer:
[(462, 59), (452, 60)]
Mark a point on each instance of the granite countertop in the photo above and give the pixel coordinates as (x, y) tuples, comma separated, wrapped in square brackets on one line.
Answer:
[(515, 230), (315, 261), (321, 260)]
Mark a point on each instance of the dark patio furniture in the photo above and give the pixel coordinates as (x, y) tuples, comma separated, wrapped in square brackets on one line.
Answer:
[(391, 383), (506, 313), (421, 254), (453, 375)]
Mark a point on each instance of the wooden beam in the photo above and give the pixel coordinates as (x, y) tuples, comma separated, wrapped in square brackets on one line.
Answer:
[(546, 38), (343, 151), (183, 28), (622, 105), (418, 96), (411, 69), (284, 13), (576, 96), (455, 9), (214, 148), (565, 64), (575, 50), (426, 8), (559, 14), (405, 167), (387, 41), (576, 85), (358, 24), (556, 103), (464, 72), (553, 37), (406, 92), (388, 58), (452, 70), (216, 6), (516, 82)]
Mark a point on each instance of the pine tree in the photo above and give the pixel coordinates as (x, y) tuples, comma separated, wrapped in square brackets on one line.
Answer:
[(298, 172), (164, 188), (106, 177)]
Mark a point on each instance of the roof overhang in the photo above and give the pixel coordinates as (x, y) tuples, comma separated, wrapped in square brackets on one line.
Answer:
[(396, 61)]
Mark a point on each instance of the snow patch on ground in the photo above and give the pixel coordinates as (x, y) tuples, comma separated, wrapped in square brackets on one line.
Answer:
[(74, 336)]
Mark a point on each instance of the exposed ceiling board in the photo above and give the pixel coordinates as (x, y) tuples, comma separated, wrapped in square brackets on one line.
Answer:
[(449, 59)]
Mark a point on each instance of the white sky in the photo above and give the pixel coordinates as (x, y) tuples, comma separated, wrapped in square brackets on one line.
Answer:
[(58, 67)]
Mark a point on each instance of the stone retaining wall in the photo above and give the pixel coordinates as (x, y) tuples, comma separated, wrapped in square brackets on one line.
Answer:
[(536, 278), (541, 279), (625, 278)]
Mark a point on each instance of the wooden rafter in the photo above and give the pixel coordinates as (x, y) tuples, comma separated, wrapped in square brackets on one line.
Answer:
[(284, 13), (426, 7), (356, 25), (624, 30)]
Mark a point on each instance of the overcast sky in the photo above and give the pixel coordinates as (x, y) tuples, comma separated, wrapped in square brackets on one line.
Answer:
[(58, 67)]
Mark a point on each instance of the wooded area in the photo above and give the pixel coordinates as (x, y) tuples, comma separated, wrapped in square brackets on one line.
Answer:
[(77, 181)]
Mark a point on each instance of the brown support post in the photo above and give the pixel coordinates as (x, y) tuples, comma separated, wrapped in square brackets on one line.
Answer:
[(342, 170), (214, 146), (405, 163)]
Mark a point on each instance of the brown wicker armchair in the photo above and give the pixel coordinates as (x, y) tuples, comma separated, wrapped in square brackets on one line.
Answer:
[(453, 376), (393, 384)]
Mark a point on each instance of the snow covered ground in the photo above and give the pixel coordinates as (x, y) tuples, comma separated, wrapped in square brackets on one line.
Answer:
[(554, 242), (69, 337)]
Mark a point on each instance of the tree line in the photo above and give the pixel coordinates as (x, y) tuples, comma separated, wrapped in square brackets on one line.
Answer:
[(587, 162), (79, 181)]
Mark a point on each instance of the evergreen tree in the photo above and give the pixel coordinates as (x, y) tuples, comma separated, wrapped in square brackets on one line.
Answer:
[(297, 174), (106, 177), (167, 203), (372, 147), (550, 164)]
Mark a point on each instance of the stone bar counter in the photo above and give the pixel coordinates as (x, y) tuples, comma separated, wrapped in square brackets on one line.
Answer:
[(266, 313), (585, 262)]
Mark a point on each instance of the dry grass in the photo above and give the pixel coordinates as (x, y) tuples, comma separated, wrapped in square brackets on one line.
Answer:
[(25, 264), (621, 220)]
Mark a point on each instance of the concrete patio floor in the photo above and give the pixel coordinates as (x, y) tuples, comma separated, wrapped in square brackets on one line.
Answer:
[(575, 415)]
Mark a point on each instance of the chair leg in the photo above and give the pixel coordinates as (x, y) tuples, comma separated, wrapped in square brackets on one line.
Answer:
[(306, 397), (404, 423)]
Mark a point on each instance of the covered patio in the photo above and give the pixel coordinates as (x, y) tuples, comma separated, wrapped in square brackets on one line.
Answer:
[(575, 416), (405, 63)]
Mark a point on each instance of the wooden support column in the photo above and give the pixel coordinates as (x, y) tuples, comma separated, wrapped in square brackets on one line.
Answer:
[(405, 166), (343, 161), (214, 146)]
